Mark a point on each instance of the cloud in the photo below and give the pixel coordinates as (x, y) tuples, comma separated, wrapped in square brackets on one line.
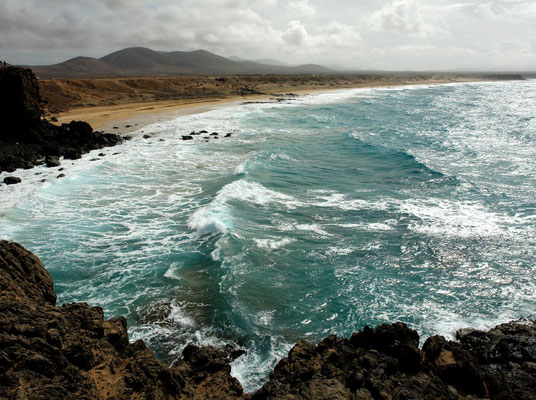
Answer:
[(390, 34), (402, 16), (296, 34)]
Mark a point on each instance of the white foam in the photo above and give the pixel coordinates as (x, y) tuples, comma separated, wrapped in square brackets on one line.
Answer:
[(216, 217), (454, 218), (240, 169), (273, 243)]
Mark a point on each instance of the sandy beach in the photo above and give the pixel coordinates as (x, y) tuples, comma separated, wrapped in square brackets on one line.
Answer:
[(111, 105)]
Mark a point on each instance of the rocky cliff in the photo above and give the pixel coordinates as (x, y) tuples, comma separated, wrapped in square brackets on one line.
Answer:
[(25, 138), (72, 352)]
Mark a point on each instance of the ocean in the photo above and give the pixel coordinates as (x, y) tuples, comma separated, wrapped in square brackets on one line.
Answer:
[(319, 215)]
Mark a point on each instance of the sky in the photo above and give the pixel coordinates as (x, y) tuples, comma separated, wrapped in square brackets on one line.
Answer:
[(360, 34)]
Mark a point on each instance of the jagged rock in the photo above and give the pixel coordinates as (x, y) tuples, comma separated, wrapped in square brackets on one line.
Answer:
[(228, 135), (71, 352), (25, 137), (386, 363), (12, 180)]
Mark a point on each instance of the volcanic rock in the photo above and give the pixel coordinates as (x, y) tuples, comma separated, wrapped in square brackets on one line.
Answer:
[(71, 352), (52, 161), (25, 137), (12, 180)]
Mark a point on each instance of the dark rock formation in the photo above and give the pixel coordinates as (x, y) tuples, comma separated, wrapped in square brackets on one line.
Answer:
[(71, 352), (187, 137), (25, 137), (52, 161), (12, 180), (386, 363)]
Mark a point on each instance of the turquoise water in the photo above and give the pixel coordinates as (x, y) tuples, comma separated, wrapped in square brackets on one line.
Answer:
[(318, 216)]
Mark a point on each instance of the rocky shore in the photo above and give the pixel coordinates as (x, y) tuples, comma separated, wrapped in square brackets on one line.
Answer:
[(72, 352), (26, 139)]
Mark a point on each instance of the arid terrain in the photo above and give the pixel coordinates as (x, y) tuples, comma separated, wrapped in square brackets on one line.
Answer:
[(100, 100)]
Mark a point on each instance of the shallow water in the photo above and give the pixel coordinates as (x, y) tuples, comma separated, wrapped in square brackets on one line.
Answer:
[(318, 216)]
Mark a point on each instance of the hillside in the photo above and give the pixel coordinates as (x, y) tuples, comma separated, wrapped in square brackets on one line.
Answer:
[(140, 61)]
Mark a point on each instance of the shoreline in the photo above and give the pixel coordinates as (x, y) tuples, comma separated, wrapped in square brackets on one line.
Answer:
[(72, 351), (129, 117)]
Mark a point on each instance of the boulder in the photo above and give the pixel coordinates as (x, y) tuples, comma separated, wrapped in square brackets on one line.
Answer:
[(52, 161), (187, 137), (12, 180)]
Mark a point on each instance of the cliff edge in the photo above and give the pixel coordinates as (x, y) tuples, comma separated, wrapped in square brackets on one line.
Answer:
[(72, 352), (26, 139)]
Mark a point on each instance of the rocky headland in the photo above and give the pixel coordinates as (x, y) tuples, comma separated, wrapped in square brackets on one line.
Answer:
[(72, 352), (27, 139)]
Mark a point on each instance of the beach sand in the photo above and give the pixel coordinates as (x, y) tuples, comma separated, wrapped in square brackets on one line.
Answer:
[(111, 104)]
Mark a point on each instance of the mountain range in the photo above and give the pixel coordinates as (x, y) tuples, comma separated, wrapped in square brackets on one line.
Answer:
[(140, 61)]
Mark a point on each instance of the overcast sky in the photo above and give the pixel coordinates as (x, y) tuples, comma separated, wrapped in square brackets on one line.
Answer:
[(384, 34)]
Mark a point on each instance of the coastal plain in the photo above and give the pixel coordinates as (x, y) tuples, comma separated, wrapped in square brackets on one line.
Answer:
[(101, 101)]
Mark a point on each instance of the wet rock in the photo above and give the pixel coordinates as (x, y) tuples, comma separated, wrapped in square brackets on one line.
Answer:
[(53, 119), (228, 135), (25, 137), (60, 176), (72, 154), (203, 131), (187, 137), (146, 136), (214, 134), (101, 154), (12, 180), (52, 161)]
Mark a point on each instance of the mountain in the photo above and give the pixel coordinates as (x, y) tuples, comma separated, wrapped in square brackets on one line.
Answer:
[(140, 61), (266, 61)]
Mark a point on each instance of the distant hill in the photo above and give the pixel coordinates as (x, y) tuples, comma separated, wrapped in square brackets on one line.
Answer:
[(140, 61), (267, 61)]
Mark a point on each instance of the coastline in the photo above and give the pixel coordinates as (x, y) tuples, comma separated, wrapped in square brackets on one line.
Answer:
[(72, 351), (116, 117)]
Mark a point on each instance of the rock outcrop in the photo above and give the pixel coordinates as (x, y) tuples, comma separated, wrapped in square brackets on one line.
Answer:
[(25, 138), (72, 352), (386, 363)]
